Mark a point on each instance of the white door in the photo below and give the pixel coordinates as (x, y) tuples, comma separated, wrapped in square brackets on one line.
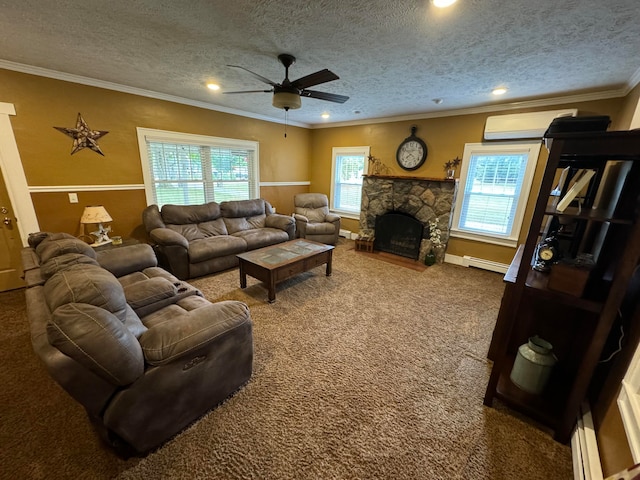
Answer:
[(10, 243), (15, 203)]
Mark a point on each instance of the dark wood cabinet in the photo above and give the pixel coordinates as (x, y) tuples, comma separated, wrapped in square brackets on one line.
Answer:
[(600, 225)]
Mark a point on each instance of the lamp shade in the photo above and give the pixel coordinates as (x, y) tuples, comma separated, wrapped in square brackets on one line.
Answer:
[(286, 100), (95, 214)]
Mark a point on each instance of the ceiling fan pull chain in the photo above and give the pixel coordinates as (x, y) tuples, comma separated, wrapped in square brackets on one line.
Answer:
[(286, 120)]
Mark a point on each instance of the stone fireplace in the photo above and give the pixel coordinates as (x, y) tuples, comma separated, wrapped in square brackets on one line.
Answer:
[(424, 199)]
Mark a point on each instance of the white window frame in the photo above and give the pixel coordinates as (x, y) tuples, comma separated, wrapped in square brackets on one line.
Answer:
[(152, 135), (510, 239), (345, 151)]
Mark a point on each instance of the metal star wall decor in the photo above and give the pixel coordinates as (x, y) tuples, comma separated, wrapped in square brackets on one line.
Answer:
[(83, 136)]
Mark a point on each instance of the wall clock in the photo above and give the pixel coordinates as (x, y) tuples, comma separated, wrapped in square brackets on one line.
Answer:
[(412, 152)]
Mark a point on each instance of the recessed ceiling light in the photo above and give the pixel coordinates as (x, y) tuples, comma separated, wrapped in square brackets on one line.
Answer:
[(213, 86), (499, 91), (443, 3), (325, 115)]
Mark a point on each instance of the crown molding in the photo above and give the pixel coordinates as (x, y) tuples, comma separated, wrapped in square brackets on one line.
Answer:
[(542, 102), (634, 80), (92, 82)]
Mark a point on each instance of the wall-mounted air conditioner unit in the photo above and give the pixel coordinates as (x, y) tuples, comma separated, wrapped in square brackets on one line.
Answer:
[(522, 125)]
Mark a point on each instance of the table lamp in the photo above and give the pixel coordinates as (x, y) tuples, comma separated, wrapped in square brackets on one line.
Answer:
[(97, 214)]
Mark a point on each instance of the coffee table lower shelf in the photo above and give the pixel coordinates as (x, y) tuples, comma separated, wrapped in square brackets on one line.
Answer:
[(280, 262)]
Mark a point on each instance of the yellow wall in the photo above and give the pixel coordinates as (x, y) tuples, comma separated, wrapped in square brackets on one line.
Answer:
[(305, 155), (43, 103), (445, 138)]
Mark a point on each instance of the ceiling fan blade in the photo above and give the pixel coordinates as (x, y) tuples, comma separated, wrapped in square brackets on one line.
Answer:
[(259, 77), (331, 97), (252, 91), (317, 78)]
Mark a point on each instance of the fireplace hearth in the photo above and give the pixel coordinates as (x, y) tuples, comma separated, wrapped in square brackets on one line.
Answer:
[(398, 233)]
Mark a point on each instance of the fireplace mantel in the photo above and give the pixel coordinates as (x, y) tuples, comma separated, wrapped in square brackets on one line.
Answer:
[(426, 199), (399, 177)]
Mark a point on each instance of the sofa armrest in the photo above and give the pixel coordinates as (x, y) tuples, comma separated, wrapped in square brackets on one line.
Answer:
[(283, 222), (127, 259), (332, 218), (179, 336), (277, 220), (168, 237)]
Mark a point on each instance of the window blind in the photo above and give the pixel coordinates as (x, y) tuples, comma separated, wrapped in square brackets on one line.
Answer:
[(491, 192), (190, 174)]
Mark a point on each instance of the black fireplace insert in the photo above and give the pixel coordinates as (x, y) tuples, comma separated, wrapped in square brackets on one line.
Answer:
[(398, 233)]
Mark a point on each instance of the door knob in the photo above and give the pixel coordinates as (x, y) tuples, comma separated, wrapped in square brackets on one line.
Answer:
[(4, 210), (7, 221)]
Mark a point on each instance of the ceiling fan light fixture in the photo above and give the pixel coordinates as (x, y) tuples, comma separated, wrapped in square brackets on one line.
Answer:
[(286, 100)]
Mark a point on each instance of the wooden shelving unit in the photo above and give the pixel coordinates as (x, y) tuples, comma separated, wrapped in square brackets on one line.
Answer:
[(577, 327)]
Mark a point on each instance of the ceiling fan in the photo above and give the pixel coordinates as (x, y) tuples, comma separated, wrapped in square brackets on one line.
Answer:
[(286, 95)]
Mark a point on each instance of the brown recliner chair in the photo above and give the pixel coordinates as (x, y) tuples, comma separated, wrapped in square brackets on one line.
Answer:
[(313, 219)]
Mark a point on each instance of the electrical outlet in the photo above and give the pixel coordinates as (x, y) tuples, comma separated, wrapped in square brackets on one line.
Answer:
[(73, 198)]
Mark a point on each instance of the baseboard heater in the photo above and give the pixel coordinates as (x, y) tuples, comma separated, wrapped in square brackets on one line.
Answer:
[(468, 261), (584, 448)]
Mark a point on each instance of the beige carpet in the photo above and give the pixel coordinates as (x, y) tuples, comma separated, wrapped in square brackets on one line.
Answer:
[(377, 372)]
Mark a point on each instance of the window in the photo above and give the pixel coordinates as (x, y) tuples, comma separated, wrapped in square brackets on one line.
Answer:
[(348, 166), (185, 169), (494, 186)]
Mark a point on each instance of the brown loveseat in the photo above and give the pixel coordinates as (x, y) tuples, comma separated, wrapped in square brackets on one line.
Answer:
[(195, 240), (143, 352)]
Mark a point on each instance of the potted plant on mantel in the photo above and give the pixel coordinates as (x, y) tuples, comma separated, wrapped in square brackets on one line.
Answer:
[(450, 167)]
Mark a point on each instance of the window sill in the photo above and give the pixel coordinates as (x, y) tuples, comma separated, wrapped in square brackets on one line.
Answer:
[(503, 242), (350, 215)]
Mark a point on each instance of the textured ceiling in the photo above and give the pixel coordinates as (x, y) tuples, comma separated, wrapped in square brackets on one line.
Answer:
[(393, 57)]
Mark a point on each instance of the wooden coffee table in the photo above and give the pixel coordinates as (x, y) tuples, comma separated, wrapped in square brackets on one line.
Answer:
[(282, 261)]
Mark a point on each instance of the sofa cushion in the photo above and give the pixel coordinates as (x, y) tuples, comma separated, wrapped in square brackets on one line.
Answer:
[(243, 208), (185, 214), (235, 225), (86, 284), (164, 343), (61, 262), (323, 228), (149, 291), (262, 237), (190, 231), (50, 248), (213, 227), (98, 340), (213, 247), (36, 238)]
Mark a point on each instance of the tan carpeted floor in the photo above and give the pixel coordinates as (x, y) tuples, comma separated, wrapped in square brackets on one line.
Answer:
[(377, 372)]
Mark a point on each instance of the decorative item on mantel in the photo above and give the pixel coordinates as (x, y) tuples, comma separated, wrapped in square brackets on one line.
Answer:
[(436, 252), (376, 167), (450, 167)]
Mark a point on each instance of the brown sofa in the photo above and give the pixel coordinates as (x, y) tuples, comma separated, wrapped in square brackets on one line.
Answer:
[(196, 240), (143, 352)]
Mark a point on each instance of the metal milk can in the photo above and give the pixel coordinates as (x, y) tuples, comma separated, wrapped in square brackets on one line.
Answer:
[(533, 365)]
